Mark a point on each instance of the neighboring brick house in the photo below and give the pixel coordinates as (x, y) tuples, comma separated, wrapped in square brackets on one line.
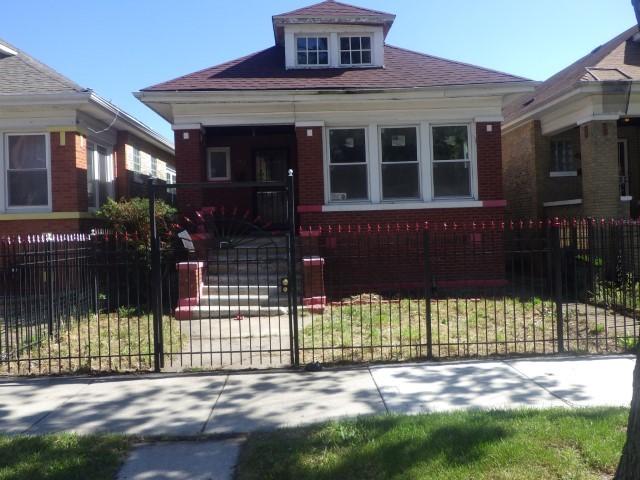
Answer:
[(374, 133), (572, 147), (65, 150)]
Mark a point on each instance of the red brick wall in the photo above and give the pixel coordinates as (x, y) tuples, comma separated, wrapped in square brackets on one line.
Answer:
[(120, 161), (190, 167), (489, 153), (310, 173), (69, 173)]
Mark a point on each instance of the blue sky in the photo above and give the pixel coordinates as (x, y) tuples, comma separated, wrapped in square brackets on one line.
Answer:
[(119, 46)]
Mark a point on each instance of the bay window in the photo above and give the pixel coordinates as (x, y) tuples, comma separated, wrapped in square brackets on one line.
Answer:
[(100, 175), (399, 163), (451, 162), (348, 176), (26, 166)]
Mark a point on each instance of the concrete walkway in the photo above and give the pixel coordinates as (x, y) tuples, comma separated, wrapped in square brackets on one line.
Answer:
[(194, 404)]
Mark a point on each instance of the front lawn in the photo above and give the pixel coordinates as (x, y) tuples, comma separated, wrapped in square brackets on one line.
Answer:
[(517, 445), (369, 327), (107, 341), (61, 457)]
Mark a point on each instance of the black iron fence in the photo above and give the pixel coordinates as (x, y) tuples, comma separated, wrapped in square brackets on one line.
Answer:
[(362, 294)]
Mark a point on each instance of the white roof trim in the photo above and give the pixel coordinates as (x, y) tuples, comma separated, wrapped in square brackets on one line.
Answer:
[(7, 51)]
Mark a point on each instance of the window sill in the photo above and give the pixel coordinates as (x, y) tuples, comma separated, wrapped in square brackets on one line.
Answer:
[(437, 204), (627, 198), (573, 173), (562, 203)]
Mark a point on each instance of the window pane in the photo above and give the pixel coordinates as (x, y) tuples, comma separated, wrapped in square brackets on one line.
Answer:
[(452, 179), (348, 182), (313, 58), (345, 58), (356, 58), (400, 181), (450, 143), (302, 43), (399, 145), (302, 58), (347, 146), (355, 43), (344, 43), (323, 43), (366, 57), (27, 188), (312, 43), (27, 151), (91, 175), (323, 58), (218, 164), (366, 43)]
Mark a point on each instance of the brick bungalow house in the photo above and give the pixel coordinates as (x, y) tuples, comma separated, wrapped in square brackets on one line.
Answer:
[(572, 147), (65, 150), (375, 133)]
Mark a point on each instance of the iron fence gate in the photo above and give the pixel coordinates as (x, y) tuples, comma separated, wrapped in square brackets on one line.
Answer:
[(230, 299)]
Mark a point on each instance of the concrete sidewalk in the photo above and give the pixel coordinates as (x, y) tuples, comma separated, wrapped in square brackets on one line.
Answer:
[(193, 404)]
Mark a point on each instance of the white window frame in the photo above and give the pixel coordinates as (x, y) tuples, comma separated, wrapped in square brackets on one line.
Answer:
[(418, 162), (316, 36), (96, 167), (4, 178), (227, 152), (471, 142), (136, 160), (327, 165), (361, 36), (153, 166)]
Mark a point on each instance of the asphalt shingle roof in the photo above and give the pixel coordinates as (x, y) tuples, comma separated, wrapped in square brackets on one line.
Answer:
[(22, 74), (265, 70), (616, 60), (331, 7)]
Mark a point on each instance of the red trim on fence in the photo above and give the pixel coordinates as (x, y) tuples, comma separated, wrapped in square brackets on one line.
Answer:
[(309, 208), (494, 203)]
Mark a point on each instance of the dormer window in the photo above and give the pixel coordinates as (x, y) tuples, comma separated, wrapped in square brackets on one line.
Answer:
[(355, 50), (312, 51)]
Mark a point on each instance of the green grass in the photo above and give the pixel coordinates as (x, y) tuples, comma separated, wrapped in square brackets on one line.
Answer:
[(373, 328), (519, 445), (116, 342), (61, 457)]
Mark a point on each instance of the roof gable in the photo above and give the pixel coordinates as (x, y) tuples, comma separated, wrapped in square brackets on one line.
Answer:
[(331, 12)]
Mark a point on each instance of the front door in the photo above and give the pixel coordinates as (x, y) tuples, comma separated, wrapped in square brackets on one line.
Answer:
[(271, 204)]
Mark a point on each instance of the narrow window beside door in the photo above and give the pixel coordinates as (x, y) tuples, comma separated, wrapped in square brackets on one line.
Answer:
[(219, 163)]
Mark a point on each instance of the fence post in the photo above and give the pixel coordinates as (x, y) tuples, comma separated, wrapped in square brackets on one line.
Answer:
[(48, 241), (156, 286), (427, 291), (556, 255), (293, 277)]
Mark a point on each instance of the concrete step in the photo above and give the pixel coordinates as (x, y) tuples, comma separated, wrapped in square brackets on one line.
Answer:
[(251, 268), (243, 255), (263, 278), (237, 300), (226, 289), (248, 312)]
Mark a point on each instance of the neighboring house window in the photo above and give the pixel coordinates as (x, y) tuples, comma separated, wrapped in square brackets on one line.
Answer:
[(355, 50), (171, 179), (348, 176), (399, 155), (451, 161), (154, 167), (312, 50), (219, 163), (137, 160), (100, 178), (562, 158), (27, 175)]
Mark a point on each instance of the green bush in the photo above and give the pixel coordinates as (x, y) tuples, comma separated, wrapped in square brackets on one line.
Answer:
[(132, 217)]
